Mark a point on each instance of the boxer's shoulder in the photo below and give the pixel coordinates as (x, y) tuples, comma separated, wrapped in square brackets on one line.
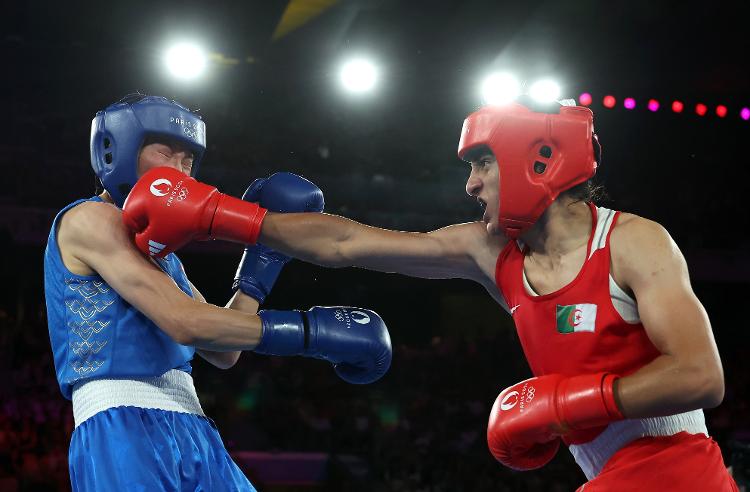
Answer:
[(639, 246), (483, 247), (473, 238), (87, 217), (632, 233), (85, 229)]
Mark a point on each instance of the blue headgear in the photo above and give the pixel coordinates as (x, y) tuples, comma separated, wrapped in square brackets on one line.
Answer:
[(118, 133)]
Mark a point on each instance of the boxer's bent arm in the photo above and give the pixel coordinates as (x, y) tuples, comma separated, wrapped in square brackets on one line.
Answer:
[(224, 360), (688, 375), (93, 233), (335, 241)]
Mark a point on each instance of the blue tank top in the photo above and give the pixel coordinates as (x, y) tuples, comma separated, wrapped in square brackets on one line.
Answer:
[(95, 333)]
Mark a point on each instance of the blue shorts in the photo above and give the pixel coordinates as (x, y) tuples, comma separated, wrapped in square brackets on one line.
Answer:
[(139, 449)]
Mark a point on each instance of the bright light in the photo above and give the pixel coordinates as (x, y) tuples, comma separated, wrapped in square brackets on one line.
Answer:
[(745, 114), (185, 61), (721, 111), (700, 109), (545, 90), (609, 101), (585, 99), (629, 103), (653, 105), (358, 75), (500, 88), (677, 106)]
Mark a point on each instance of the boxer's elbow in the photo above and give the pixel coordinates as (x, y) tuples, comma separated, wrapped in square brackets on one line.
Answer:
[(351, 247), (338, 256), (707, 381), (221, 360), (713, 388), (336, 252)]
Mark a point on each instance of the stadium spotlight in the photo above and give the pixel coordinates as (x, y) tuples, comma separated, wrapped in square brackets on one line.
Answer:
[(500, 88), (358, 75), (185, 61), (545, 90)]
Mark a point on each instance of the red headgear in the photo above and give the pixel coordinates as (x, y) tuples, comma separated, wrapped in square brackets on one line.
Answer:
[(539, 155)]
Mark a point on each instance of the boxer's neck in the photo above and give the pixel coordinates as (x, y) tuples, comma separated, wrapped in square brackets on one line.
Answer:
[(562, 228)]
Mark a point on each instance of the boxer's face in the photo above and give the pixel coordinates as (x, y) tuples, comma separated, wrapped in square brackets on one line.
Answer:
[(483, 184), (160, 152)]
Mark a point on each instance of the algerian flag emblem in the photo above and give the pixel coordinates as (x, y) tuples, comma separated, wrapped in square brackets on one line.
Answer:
[(575, 318)]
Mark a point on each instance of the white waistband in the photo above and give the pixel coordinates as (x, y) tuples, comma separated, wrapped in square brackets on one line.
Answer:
[(593, 455), (172, 391)]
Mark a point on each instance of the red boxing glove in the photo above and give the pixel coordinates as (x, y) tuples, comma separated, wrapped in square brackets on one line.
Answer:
[(167, 209), (528, 418)]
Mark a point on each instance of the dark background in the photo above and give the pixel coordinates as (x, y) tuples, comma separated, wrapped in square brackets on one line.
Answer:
[(387, 159)]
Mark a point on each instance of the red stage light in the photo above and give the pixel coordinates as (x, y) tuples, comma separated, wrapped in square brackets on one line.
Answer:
[(585, 99), (609, 101), (700, 109), (721, 111), (677, 106)]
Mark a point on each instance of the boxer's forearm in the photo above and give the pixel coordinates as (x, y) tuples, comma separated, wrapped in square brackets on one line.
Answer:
[(333, 241), (243, 302), (668, 386), (225, 360), (212, 328), (313, 237)]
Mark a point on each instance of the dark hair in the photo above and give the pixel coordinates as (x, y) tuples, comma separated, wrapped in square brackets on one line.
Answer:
[(98, 187), (589, 192)]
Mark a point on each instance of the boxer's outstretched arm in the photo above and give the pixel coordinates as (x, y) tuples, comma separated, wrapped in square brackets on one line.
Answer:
[(688, 375), (334, 241)]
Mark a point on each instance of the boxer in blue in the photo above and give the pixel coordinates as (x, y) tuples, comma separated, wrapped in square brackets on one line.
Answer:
[(124, 327)]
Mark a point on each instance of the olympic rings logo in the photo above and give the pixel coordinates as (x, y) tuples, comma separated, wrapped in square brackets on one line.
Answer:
[(530, 394), (182, 194), (189, 132), (339, 315)]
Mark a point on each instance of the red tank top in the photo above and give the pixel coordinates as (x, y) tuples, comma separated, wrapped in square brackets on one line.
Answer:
[(575, 330)]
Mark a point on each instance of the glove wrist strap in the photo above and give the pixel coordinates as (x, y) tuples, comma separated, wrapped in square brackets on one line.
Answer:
[(237, 220), (257, 273), (283, 333), (588, 400)]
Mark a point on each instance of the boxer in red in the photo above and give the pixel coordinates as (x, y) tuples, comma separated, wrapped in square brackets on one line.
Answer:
[(621, 349)]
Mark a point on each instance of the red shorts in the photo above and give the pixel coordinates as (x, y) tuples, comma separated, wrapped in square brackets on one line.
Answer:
[(682, 462)]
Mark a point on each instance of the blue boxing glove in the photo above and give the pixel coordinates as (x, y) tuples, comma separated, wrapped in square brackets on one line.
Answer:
[(355, 341), (281, 192)]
